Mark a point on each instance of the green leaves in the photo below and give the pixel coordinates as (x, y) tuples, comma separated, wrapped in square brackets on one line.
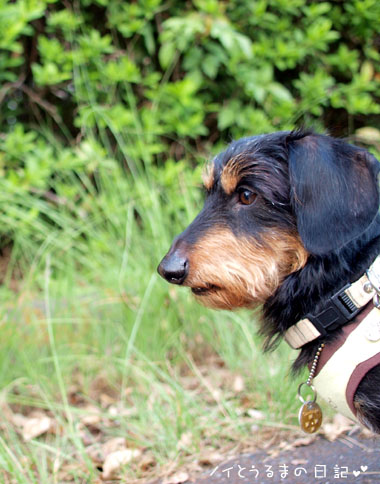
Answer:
[(180, 108), (152, 80), (315, 91), (174, 68), (122, 70), (15, 19), (237, 44)]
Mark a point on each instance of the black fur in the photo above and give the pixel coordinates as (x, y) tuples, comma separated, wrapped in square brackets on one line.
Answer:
[(334, 191), (337, 217), (327, 190)]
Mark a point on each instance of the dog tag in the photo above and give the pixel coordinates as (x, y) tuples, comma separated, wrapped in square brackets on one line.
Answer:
[(310, 417), (310, 414)]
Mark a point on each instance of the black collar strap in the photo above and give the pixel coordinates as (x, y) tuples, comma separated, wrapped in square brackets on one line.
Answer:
[(341, 308)]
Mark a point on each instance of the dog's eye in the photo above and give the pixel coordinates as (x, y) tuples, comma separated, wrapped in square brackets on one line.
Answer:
[(246, 197)]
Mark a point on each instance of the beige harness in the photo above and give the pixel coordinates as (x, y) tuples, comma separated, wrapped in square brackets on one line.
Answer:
[(339, 377), (344, 363)]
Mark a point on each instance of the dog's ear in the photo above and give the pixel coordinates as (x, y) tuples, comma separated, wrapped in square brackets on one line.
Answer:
[(334, 190)]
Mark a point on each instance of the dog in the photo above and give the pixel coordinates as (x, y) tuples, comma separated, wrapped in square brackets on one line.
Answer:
[(290, 223)]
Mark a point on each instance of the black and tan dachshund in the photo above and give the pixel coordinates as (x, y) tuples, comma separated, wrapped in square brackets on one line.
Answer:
[(290, 220)]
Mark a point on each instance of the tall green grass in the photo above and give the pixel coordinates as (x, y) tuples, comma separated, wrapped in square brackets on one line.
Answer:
[(90, 307), (92, 323)]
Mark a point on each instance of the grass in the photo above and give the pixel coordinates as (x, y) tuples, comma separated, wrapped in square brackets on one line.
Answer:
[(96, 342), (98, 354)]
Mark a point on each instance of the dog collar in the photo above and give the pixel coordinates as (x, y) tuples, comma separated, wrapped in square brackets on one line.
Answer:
[(341, 308)]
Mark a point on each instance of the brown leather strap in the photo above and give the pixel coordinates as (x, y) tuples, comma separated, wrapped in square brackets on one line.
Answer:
[(360, 370), (357, 376)]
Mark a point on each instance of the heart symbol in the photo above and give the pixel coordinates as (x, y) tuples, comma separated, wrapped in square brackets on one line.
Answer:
[(356, 473), (363, 468)]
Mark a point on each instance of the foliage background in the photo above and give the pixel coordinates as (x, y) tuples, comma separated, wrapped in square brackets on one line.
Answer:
[(108, 110), (162, 81)]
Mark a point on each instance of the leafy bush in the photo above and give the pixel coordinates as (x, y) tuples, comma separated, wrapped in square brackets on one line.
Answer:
[(153, 81)]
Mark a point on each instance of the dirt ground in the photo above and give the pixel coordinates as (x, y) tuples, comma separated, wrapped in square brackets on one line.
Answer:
[(350, 459)]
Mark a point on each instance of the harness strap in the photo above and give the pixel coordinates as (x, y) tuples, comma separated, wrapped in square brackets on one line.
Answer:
[(338, 311), (348, 361)]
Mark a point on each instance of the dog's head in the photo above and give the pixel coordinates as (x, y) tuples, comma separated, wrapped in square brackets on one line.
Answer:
[(272, 200)]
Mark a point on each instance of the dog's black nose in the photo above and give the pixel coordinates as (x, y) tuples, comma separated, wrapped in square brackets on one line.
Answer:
[(174, 267)]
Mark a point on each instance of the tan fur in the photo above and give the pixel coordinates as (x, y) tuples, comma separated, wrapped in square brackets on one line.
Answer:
[(360, 406), (232, 173), (246, 271), (208, 176)]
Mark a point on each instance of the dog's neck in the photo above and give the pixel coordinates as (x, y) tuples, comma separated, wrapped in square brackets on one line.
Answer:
[(306, 290)]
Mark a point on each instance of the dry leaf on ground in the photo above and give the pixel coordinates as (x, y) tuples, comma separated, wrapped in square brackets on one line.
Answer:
[(210, 458), (337, 427), (113, 445), (92, 415), (177, 478), (304, 441), (147, 462), (256, 414), (238, 384), (32, 427), (118, 459), (185, 441)]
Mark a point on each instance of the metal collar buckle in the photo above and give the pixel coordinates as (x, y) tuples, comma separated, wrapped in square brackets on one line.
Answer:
[(373, 284)]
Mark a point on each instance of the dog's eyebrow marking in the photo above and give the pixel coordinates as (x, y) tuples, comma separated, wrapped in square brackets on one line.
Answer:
[(233, 171), (208, 176)]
